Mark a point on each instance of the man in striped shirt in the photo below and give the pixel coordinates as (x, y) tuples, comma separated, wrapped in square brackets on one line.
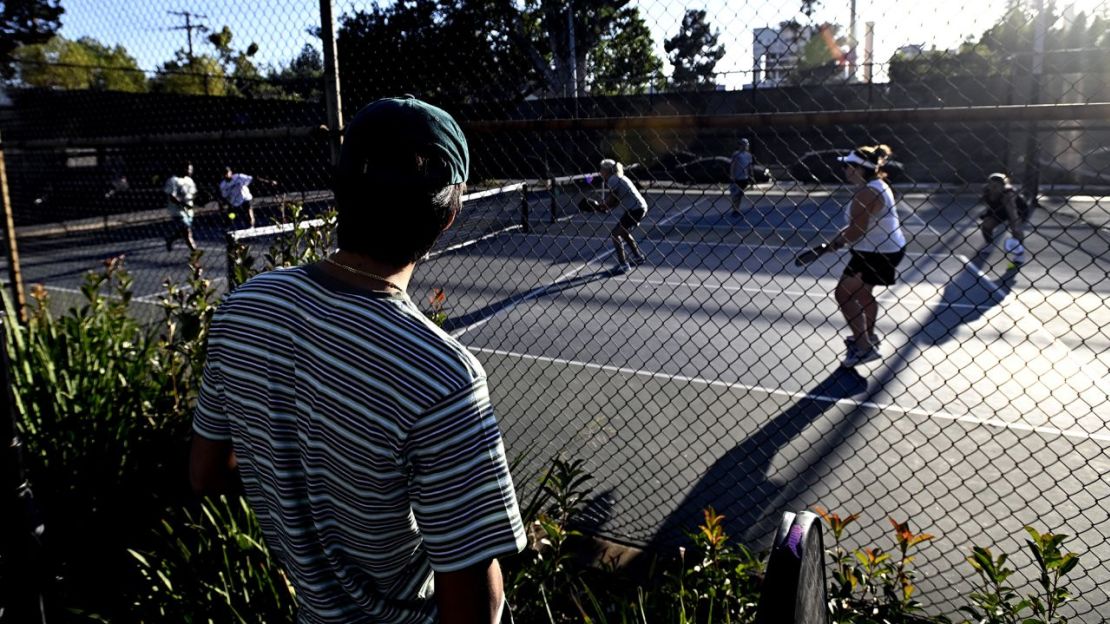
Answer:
[(363, 435)]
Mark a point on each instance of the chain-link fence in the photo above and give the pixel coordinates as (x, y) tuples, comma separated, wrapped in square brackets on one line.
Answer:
[(709, 374)]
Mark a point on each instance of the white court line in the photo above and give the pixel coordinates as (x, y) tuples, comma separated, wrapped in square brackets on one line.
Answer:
[(798, 293), (468, 243), (789, 248), (966, 418), (537, 292), (78, 291)]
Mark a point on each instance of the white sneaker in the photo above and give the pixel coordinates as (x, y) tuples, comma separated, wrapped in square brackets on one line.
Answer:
[(856, 356)]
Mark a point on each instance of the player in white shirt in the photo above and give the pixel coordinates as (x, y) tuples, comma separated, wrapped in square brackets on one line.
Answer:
[(877, 244), (236, 193), (180, 190)]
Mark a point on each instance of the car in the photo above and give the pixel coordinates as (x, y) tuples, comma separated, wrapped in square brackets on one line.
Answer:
[(715, 170), (822, 167), (688, 168)]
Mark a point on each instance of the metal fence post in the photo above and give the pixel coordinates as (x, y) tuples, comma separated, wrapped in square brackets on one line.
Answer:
[(331, 76), (1031, 184), (15, 274)]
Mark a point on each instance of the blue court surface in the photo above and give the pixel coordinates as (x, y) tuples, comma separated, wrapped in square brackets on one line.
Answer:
[(710, 375)]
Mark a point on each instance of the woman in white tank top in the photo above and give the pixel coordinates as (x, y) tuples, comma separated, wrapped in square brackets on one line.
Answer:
[(877, 244)]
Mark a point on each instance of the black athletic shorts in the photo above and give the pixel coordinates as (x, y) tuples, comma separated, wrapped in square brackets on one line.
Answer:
[(632, 218), (875, 267)]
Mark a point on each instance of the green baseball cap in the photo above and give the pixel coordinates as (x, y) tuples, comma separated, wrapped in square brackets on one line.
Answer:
[(389, 127)]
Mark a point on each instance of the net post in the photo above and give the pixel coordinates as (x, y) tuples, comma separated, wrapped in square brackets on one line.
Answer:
[(551, 190), (525, 226), (230, 254)]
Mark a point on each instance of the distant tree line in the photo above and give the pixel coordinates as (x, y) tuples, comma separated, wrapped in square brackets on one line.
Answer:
[(448, 51), (1075, 45), (467, 51)]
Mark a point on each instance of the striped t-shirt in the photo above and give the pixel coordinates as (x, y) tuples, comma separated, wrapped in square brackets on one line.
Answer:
[(366, 442)]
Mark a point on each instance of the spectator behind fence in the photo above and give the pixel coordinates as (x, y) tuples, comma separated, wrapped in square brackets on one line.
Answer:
[(180, 190), (363, 434), (235, 191)]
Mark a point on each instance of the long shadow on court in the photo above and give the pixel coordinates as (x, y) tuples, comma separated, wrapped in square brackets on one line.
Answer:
[(965, 299), (737, 484), (482, 314)]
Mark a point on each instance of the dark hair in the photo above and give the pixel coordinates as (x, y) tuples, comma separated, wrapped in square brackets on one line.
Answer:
[(394, 212), (876, 154)]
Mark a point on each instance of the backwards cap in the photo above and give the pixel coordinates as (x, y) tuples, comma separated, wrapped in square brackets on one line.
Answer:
[(389, 128)]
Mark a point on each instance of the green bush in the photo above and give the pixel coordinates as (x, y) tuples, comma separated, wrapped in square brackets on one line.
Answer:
[(211, 565), (103, 411)]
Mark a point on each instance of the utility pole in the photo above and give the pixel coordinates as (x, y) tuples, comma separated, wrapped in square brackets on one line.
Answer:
[(332, 99), (572, 52), (189, 26), (852, 43), (1032, 141)]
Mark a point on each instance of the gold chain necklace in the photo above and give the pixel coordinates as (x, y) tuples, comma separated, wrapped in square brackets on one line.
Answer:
[(375, 276)]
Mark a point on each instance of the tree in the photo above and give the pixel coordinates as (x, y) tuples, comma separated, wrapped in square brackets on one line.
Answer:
[(822, 58), (82, 64), (490, 50), (303, 77), (559, 36), (1005, 49), (694, 52), (26, 22), (809, 7), (443, 51), (624, 62), (199, 74), (245, 79)]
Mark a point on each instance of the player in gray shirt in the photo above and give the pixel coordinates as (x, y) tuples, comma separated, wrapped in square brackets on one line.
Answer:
[(624, 194)]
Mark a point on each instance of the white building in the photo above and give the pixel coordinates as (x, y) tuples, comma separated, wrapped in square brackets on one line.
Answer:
[(776, 52)]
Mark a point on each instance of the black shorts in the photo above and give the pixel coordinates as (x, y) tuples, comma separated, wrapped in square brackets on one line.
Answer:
[(875, 267), (632, 218), (997, 215)]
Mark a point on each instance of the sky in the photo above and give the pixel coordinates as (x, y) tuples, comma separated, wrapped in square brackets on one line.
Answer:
[(145, 27)]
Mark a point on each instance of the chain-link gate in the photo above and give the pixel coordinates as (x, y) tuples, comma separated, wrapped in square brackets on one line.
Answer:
[(709, 374)]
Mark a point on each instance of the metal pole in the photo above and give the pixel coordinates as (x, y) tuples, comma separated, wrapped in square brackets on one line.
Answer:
[(331, 74), (572, 51), (1031, 187), (524, 222), (15, 274), (552, 189), (852, 44)]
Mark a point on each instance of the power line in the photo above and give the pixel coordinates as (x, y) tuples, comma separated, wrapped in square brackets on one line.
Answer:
[(189, 26)]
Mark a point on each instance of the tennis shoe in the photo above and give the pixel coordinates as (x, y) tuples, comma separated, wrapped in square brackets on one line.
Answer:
[(850, 341), (857, 356), (638, 260)]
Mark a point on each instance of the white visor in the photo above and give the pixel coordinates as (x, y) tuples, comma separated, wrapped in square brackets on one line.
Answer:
[(855, 159)]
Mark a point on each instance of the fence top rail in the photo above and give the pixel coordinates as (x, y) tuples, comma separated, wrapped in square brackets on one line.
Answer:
[(1097, 111)]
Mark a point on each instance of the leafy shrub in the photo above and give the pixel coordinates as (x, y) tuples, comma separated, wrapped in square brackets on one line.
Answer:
[(211, 565), (103, 411)]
